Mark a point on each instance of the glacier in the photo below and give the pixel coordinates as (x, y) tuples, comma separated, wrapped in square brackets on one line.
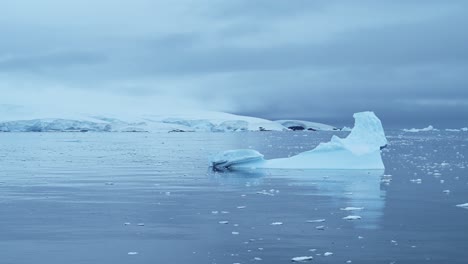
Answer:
[(30, 119), (194, 121), (359, 150)]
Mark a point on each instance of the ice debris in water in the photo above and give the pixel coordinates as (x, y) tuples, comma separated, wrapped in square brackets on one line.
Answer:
[(414, 130), (351, 208), (316, 221), (359, 150), (352, 217), (465, 205), (276, 223), (302, 259)]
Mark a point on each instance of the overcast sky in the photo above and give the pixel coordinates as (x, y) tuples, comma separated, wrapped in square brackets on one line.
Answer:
[(317, 60)]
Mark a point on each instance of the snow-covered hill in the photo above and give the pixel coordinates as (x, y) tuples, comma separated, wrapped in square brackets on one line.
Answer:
[(23, 119)]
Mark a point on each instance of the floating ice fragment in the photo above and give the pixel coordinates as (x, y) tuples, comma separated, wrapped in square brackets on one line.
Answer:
[(352, 217), (316, 221), (465, 205), (132, 253), (351, 208), (418, 181), (224, 160), (302, 259), (224, 222), (326, 254), (276, 223), (414, 130)]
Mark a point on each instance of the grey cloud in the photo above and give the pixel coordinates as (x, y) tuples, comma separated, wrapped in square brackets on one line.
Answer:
[(247, 57)]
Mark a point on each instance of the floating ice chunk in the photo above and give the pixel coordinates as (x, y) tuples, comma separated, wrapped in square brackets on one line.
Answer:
[(465, 205), (418, 181), (226, 159), (316, 221), (326, 254), (302, 259), (276, 223), (352, 217), (132, 253), (414, 130), (224, 222), (359, 150), (351, 208)]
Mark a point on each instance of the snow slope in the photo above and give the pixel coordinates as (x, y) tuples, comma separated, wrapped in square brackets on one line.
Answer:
[(359, 150), (22, 119)]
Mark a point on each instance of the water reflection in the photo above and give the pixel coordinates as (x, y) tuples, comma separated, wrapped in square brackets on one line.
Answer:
[(345, 188)]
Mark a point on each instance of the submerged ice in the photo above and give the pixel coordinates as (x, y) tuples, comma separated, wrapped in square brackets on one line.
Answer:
[(359, 150)]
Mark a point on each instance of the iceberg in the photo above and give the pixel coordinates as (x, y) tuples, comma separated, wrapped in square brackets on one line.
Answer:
[(359, 150)]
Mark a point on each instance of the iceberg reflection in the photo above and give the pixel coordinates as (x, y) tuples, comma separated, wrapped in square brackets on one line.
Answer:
[(344, 188)]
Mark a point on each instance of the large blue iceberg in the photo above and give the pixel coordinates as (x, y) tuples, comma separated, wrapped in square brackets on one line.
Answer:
[(359, 150)]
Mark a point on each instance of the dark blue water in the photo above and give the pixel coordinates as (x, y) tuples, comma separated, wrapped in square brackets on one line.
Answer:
[(95, 198)]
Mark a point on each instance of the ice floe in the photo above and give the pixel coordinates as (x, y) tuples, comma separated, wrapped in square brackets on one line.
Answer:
[(359, 150), (302, 259)]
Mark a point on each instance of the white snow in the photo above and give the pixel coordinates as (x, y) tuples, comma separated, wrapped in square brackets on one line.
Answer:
[(302, 259), (359, 150), (414, 130), (305, 125), (23, 119)]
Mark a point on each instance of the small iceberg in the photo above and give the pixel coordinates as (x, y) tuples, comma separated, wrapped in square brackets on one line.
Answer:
[(359, 150)]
